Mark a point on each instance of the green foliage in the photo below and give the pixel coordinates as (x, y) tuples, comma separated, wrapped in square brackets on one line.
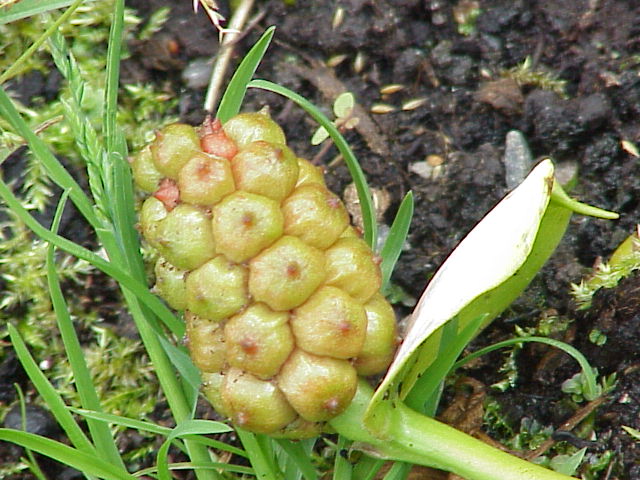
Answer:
[(525, 74)]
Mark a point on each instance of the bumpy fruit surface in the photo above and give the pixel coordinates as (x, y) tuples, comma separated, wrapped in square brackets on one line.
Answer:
[(280, 294)]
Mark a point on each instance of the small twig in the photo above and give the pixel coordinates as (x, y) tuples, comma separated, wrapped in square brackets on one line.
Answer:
[(237, 21)]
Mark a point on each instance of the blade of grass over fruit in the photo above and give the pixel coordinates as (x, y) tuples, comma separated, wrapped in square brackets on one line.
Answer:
[(395, 240), (299, 454), (87, 463), (100, 433), (587, 369), (54, 168), (140, 290), (359, 179), (49, 394), (237, 88), (489, 256), (28, 8), (14, 69)]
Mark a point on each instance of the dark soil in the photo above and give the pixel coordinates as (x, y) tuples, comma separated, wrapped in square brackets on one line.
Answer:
[(465, 114)]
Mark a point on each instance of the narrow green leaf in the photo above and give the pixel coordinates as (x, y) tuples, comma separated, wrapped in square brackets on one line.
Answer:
[(237, 88), (299, 453), (568, 464), (100, 433), (259, 458), (588, 371), (341, 467), (88, 463), (359, 179), (28, 8), (54, 168), (396, 239), (49, 394)]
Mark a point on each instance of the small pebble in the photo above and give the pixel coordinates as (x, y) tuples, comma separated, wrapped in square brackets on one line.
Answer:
[(517, 159), (196, 74)]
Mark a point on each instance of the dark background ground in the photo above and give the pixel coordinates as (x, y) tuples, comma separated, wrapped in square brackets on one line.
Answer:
[(593, 45)]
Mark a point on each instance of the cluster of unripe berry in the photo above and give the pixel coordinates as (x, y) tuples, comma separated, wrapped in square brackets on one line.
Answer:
[(280, 294)]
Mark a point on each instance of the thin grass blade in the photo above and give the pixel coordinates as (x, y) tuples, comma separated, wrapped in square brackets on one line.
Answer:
[(237, 88), (88, 463), (359, 179), (28, 8), (299, 454), (397, 236), (100, 433), (49, 394)]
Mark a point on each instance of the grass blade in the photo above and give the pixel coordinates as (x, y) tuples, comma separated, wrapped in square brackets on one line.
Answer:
[(360, 181), (395, 241), (100, 433), (89, 464), (235, 91), (49, 394), (28, 8), (587, 369), (298, 453), (54, 168)]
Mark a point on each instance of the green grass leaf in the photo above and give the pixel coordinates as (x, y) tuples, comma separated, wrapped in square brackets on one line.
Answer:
[(88, 463), (395, 240), (360, 181), (237, 88), (28, 8)]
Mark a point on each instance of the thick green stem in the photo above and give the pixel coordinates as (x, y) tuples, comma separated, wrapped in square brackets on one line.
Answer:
[(412, 437)]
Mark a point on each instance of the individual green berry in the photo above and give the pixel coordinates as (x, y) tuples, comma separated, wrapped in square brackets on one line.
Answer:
[(145, 174), (184, 237), (330, 323), (217, 289), (299, 429), (173, 148), (170, 284), (152, 213), (308, 173), (285, 274), (244, 224), (246, 128), (381, 340), (352, 267), (205, 339), (205, 179), (258, 340), (315, 215), (254, 404), (269, 169), (318, 388)]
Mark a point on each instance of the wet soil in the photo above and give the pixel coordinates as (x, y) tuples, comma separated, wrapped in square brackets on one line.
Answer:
[(462, 111)]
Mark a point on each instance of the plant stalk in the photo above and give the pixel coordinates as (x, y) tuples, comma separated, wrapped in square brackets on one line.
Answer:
[(415, 438)]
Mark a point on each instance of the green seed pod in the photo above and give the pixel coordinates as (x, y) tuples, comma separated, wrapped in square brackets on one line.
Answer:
[(285, 274), (217, 289), (145, 174), (308, 173), (318, 388), (170, 284), (246, 128), (315, 215), (255, 404), (351, 267), (205, 179), (258, 340), (173, 148), (184, 237), (381, 340), (244, 224), (330, 323), (152, 213), (269, 169), (206, 342)]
